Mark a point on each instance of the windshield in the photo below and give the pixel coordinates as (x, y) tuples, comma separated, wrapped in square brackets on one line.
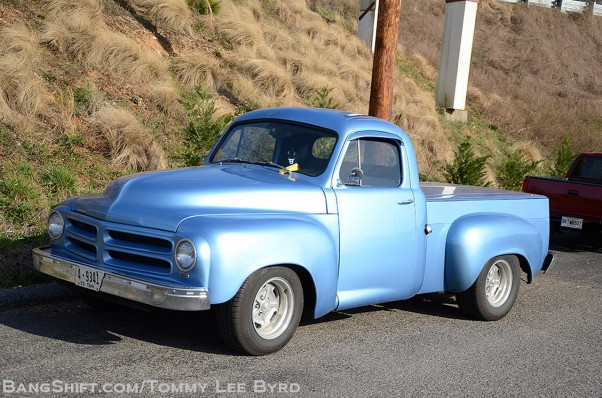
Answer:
[(306, 148)]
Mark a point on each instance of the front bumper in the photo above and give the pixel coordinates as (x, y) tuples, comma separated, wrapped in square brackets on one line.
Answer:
[(146, 292)]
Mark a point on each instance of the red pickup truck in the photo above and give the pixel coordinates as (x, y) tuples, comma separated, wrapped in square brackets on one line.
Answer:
[(576, 200)]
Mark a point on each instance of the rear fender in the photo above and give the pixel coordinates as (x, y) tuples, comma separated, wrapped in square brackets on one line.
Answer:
[(475, 239)]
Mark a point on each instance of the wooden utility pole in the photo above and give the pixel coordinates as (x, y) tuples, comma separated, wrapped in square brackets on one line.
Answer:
[(383, 69)]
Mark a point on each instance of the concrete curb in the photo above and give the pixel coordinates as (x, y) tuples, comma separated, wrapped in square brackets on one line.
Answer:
[(27, 296)]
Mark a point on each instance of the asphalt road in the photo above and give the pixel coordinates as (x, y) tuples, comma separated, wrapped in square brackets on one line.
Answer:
[(549, 345)]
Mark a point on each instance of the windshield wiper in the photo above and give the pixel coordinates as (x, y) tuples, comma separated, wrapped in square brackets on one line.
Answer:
[(272, 164), (235, 160), (282, 169)]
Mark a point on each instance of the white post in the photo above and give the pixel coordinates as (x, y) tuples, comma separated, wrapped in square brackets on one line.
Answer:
[(454, 66), (366, 26)]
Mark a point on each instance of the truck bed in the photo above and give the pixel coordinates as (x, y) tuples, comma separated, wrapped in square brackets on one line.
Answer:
[(447, 202)]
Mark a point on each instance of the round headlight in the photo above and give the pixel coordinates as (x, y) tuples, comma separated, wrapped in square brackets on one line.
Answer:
[(185, 255), (56, 225)]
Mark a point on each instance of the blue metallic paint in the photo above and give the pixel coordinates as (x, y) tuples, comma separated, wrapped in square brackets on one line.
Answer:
[(242, 244), (382, 257), (476, 238), (245, 217), (162, 200)]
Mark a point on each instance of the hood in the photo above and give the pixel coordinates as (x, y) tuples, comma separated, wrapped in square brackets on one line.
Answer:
[(163, 199)]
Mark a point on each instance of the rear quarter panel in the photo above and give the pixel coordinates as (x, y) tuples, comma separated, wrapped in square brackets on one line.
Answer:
[(469, 232)]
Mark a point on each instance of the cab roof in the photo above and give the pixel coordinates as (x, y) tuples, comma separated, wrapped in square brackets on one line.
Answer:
[(342, 122)]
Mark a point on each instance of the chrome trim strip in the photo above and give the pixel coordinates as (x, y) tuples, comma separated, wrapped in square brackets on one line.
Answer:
[(168, 297)]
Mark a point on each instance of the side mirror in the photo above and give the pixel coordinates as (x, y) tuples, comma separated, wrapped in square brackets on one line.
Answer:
[(355, 177)]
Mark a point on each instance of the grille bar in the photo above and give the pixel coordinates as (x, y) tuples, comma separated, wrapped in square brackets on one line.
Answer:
[(129, 240), (139, 260), (126, 248)]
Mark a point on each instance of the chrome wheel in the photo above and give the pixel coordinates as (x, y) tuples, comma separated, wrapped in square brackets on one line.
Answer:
[(273, 308), (498, 283)]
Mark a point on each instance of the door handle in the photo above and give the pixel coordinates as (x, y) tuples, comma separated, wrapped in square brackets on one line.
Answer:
[(406, 202), (573, 192)]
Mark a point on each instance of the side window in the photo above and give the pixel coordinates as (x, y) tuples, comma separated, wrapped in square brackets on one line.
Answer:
[(378, 160), (589, 167)]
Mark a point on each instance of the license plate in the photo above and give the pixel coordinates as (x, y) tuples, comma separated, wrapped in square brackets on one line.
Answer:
[(571, 222), (89, 278)]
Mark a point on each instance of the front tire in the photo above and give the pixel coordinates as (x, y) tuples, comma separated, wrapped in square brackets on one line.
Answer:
[(264, 314), (494, 292)]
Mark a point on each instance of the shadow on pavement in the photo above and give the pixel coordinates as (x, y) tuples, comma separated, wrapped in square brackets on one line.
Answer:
[(434, 304), (575, 242), (77, 323)]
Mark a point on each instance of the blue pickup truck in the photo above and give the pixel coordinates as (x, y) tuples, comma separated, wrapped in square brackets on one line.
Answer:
[(296, 211)]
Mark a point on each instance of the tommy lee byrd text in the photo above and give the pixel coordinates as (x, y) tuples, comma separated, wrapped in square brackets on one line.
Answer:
[(148, 386)]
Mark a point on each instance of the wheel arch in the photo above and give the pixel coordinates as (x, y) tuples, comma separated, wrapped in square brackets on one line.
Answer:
[(309, 289), (525, 267), (476, 239)]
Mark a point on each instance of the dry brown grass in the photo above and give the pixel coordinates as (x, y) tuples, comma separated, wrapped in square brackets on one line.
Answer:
[(535, 71), (129, 143), (290, 53), (92, 8), (78, 30), (172, 15), (342, 12), (22, 92), (194, 69), (125, 58), (165, 96), (238, 26), (414, 111), (271, 78), (286, 54)]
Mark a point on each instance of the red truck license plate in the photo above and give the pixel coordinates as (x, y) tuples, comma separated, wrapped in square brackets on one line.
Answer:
[(571, 222)]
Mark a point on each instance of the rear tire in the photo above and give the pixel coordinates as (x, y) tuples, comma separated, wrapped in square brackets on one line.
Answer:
[(494, 292), (264, 314)]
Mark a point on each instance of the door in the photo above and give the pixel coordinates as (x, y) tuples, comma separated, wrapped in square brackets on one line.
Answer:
[(378, 229)]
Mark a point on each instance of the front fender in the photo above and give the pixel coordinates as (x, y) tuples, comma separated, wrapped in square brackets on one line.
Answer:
[(475, 239), (240, 245)]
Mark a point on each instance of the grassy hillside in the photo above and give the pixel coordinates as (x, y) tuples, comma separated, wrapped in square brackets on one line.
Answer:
[(536, 72), (94, 89)]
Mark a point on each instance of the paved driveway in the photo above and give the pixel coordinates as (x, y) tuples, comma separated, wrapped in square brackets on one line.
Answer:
[(549, 345)]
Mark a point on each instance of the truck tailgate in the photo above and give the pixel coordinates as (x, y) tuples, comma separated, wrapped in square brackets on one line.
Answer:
[(568, 198)]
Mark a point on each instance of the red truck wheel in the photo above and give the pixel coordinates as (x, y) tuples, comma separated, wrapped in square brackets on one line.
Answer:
[(494, 292)]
